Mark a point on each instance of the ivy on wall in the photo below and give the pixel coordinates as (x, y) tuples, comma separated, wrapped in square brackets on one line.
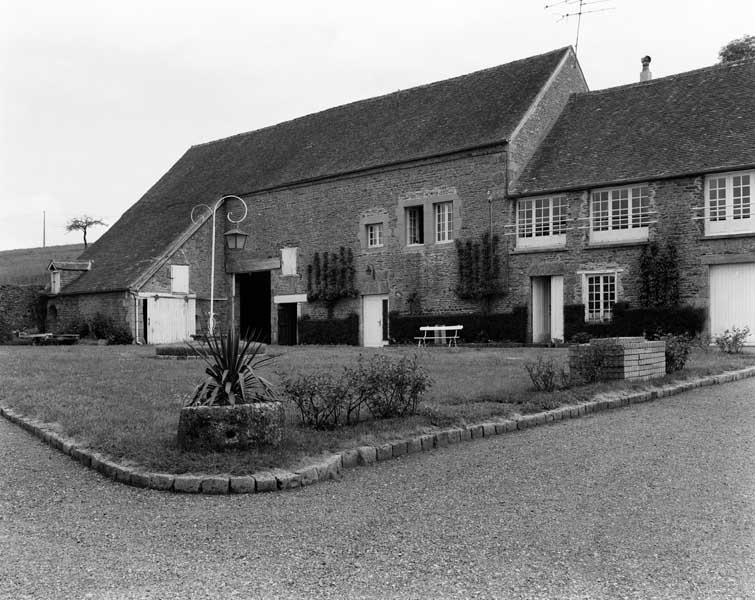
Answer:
[(659, 275), (479, 270), (330, 277)]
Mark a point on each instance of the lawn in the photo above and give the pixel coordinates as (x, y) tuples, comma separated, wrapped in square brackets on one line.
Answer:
[(124, 402)]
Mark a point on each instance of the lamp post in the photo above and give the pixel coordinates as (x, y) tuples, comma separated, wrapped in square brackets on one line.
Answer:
[(235, 239)]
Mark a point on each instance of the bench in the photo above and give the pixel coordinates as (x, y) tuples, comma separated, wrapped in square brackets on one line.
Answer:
[(439, 333)]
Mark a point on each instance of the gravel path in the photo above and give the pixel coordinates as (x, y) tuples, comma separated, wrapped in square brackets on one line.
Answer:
[(651, 501)]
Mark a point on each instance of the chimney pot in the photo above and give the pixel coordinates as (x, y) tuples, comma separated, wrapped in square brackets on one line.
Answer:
[(645, 75)]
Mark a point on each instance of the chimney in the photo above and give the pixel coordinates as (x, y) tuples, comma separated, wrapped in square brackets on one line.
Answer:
[(646, 75)]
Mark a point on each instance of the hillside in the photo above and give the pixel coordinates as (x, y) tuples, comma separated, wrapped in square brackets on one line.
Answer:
[(28, 266)]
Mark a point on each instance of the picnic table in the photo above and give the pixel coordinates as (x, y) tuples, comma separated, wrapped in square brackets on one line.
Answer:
[(439, 334), (50, 338)]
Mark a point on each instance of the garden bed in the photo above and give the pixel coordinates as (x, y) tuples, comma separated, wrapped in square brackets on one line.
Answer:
[(122, 402)]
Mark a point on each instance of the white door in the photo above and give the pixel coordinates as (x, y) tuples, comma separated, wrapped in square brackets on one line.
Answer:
[(557, 307), (170, 320), (732, 298), (374, 320)]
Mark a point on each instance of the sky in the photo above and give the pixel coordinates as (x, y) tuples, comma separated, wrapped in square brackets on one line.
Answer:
[(98, 99)]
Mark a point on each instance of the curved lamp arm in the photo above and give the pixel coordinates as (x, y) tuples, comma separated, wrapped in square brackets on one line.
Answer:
[(196, 217)]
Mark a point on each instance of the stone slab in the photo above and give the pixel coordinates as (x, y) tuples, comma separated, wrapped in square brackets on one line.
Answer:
[(367, 455), (244, 484)]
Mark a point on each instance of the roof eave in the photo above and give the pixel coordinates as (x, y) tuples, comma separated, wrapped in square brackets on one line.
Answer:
[(629, 180)]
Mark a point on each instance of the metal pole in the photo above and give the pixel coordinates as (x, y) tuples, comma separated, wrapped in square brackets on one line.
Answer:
[(211, 323)]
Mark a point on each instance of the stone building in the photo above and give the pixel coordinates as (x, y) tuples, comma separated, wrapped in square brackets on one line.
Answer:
[(573, 183)]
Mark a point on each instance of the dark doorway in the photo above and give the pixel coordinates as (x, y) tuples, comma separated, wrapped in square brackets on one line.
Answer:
[(287, 324), (254, 302), (145, 321)]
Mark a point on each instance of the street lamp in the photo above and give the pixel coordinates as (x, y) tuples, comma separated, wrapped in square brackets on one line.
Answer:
[(235, 239)]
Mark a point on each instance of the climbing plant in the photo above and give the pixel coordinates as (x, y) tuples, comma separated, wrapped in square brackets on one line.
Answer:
[(659, 275), (479, 270), (330, 277)]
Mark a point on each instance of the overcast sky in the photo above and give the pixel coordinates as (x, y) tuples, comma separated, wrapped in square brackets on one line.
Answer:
[(99, 98)]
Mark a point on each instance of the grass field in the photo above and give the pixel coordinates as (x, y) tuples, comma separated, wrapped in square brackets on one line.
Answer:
[(124, 402), (28, 266)]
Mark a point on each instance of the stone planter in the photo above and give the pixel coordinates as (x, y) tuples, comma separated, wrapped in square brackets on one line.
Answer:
[(231, 427)]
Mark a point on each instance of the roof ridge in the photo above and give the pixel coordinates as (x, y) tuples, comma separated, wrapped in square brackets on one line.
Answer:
[(666, 78), (382, 96)]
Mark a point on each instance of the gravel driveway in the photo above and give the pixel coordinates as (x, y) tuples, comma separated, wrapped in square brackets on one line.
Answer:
[(651, 501)]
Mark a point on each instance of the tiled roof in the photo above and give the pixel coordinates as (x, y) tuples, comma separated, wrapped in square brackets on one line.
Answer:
[(69, 265), (464, 112), (695, 122)]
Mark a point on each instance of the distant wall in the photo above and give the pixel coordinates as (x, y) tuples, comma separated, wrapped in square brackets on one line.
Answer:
[(22, 306)]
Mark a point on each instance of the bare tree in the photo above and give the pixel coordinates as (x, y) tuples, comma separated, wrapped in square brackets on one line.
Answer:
[(738, 49), (83, 223)]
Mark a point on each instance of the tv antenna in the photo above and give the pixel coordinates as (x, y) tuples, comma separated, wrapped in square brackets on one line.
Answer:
[(576, 8)]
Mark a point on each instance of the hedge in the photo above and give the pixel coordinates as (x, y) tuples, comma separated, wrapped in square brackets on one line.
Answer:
[(687, 320), (510, 327), (330, 331)]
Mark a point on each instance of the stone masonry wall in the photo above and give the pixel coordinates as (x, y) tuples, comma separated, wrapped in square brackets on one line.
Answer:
[(566, 82), (673, 202), (64, 310), (20, 306), (323, 216)]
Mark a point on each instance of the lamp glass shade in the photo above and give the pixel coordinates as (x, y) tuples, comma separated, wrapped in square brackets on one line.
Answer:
[(235, 239)]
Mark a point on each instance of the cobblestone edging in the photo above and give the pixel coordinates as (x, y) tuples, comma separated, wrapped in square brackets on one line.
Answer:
[(332, 466)]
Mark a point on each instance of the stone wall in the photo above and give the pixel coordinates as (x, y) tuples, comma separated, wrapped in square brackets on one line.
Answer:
[(63, 311), (21, 307)]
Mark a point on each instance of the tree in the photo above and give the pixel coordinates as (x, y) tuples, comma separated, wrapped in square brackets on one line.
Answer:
[(82, 224), (738, 49)]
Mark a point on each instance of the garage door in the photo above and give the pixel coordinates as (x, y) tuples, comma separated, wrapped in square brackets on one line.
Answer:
[(732, 298)]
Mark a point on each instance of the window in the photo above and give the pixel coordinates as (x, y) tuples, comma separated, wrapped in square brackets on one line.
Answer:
[(179, 279), (728, 203), (443, 222), (600, 296), (541, 222), (415, 225), (374, 235), (621, 214)]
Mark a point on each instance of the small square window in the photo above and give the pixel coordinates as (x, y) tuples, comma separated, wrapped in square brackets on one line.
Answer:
[(415, 225), (375, 235)]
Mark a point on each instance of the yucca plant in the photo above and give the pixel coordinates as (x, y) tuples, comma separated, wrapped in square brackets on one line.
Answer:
[(231, 372)]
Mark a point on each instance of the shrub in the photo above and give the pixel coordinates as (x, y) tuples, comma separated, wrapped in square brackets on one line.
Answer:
[(677, 351), (391, 388), (330, 331), (5, 331), (590, 362), (119, 335), (477, 327), (231, 377), (319, 398), (78, 326), (543, 373), (732, 340), (581, 337), (386, 388)]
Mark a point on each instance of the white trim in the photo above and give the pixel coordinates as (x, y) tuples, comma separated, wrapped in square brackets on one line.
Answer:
[(729, 225), (165, 295), (289, 298), (629, 234)]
